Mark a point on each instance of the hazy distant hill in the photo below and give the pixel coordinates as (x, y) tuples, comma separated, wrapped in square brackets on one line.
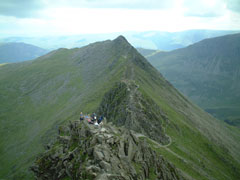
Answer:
[(146, 52), (148, 40), (208, 72), (17, 51), (112, 78), (174, 40)]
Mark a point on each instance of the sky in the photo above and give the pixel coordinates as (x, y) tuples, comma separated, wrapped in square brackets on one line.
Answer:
[(71, 17)]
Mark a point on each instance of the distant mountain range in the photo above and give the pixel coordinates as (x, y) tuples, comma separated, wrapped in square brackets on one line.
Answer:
[(17, 51), (151, 39), (208, 72), (112, 79)]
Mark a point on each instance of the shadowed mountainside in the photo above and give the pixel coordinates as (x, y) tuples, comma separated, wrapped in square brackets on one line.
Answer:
[(208, 73)]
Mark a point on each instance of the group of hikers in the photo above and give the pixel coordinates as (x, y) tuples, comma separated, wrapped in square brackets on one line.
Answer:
[(91, 119)]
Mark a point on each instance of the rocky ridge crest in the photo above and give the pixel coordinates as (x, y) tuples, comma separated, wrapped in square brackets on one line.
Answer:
[(84, 151), (125, 105)]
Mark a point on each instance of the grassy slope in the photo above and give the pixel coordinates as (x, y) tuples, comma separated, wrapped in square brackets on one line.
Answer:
[(39, 95), (207, 72), (201, 146)]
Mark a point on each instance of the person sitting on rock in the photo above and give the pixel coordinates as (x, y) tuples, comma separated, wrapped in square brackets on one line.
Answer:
[(88, 119), (94, 117), (100, 120), (81, 116)]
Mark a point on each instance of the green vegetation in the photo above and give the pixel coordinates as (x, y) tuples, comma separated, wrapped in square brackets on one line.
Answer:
[(39, 96), (137, 167), (152, 175), (3, 64), (233, 121), (207, 72)]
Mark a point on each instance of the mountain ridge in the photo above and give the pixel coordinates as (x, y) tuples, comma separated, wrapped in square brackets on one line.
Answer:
[(85, 151), (43, 94)]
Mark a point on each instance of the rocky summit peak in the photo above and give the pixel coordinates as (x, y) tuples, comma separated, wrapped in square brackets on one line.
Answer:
[(121, 40)]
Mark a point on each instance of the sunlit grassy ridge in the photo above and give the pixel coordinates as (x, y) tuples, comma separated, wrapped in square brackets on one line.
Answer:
[(37, 96)]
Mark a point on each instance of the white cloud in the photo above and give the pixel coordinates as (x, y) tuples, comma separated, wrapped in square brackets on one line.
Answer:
[(181, 15), (79, 20), (123, 4), (204, 8)]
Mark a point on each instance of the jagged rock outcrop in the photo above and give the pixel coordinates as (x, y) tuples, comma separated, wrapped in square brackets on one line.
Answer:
[(125, 105), (85, 151)]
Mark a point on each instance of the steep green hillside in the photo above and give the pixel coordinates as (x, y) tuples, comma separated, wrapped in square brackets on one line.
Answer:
[(16, 52), (38, 95), (110, 77), (207, 72)]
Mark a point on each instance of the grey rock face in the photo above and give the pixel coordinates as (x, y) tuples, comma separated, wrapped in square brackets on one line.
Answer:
[(103, 152), (125, 105)]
